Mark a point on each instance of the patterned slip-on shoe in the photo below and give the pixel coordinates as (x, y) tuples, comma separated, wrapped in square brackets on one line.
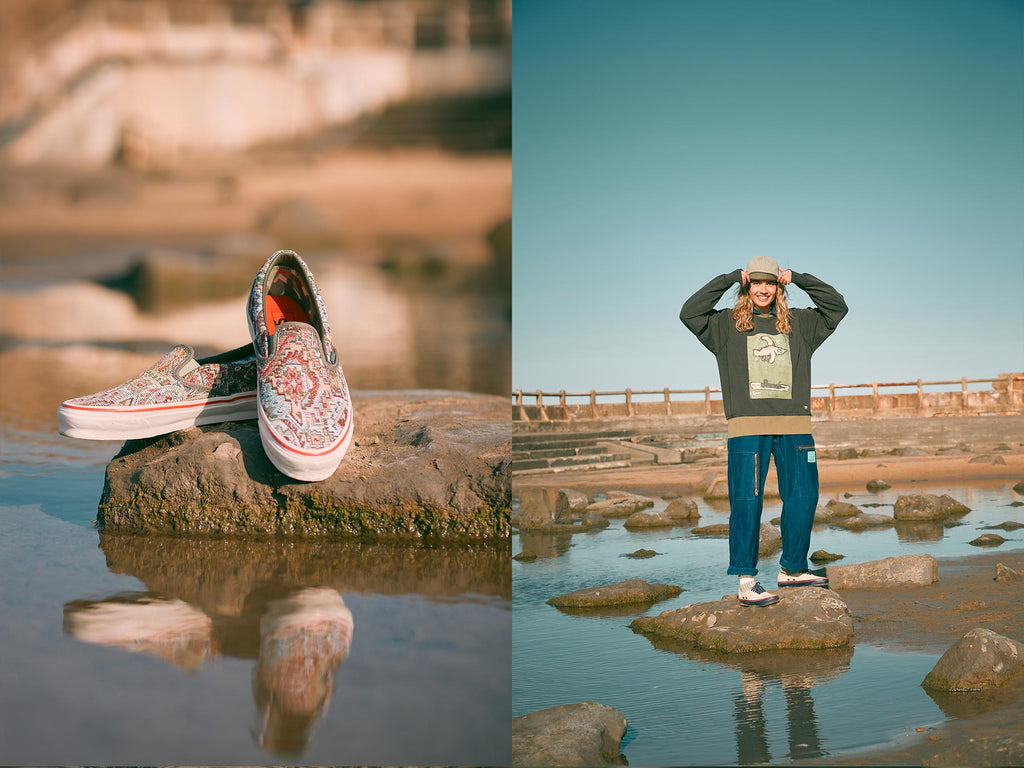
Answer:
[(304, 409), (176, 392)]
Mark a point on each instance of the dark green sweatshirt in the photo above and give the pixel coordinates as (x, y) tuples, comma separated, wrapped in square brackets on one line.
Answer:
[(766, 375)]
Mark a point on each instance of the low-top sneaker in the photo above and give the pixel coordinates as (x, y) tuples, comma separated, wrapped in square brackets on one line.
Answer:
[(303, 404), (176, 392), (802, 579), (755, 594)]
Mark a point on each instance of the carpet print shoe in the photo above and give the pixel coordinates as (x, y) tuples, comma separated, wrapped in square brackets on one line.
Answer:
[(176, 392), (802, 579), (303, 403), (756, 595)]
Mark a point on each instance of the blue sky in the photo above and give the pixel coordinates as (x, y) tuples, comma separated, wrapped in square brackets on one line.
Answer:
[(877, 144)]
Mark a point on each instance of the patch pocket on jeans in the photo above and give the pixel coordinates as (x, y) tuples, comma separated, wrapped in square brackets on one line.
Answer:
[(812, 457), (743, 475)]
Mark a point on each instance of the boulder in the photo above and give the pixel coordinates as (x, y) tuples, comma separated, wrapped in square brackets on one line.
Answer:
[(874, 486), (821, 556), (620, 505), (769, 540), (836, 509), (629, 592), (987, 540), (1019, 487), (1009, 525), (578, 500), (642, 554), (988, 460), (980, 659), (683, 509), (1005, 573), (595, 520), (648, 518), (847, 452), (860, 522), (543, 508), (572, 734), (424, 464), (804, 619), (926, 506), (903, 571)]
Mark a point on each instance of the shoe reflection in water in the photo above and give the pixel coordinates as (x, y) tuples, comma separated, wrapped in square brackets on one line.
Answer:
[(142, 622), (303, 638), (751, 729)]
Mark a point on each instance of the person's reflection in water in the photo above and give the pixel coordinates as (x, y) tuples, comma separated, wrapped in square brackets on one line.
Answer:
[(303, 638), (751, 729)]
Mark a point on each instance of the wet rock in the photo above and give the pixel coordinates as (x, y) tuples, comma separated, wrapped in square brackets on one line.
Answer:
[(821, 556), (926, 506), (438, 467), (578, 500), (874, 486), (908, 452), (1005, 573), (971, 605), (543, 508), (891, 572), (769, 540), (571, 734), (987, 540), (642, 554), (980, 659), (1009, 525), (718, 529), (988, 460), (860, 522), (847, 453), (836, 509), (619, 506), (648, 518), (804, 619), (1019, 487), (595, 520), (683, 509), (629, 592)]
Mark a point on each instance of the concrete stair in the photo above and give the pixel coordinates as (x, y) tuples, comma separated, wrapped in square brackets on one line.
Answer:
[(554, 452)]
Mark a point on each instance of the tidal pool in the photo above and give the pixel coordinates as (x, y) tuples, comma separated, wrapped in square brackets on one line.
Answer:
[(690, 707), (135, 650)]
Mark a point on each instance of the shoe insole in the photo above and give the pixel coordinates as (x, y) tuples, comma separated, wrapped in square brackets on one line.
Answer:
[(282, 308)]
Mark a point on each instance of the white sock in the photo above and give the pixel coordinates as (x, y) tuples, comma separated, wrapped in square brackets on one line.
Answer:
[(747, 582)]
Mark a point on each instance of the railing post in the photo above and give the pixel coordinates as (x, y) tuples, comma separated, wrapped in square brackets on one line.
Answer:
[(540, 406), (831, 399), (920, 396), (522, 408), (963, 396), (668, 403), (629, 401), (707, 401), (561, 402), (593, 404)]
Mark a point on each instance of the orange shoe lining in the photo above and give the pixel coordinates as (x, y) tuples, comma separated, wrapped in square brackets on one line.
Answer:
[(282, 308)]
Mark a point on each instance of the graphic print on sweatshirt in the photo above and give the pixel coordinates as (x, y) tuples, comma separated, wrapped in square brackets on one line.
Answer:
[(769, 366)]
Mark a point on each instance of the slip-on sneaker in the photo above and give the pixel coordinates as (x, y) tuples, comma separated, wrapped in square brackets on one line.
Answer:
[(802, 579), (176, 392), (304, 410)]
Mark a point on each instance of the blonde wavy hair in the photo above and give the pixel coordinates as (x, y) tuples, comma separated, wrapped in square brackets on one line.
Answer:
[(743, 312)]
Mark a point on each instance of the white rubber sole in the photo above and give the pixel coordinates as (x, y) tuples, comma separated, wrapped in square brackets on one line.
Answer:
[(301, 465), (136, 422)]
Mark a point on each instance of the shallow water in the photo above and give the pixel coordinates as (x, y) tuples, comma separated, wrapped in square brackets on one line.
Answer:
[(122, 650), (687, 707)]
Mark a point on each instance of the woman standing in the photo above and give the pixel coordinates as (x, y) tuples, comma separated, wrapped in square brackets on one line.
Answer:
[(764, 352)]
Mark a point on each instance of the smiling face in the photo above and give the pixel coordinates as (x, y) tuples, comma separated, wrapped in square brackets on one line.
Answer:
[(762, 292)]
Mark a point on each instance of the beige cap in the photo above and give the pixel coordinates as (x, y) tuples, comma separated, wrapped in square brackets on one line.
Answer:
[(763, 268)]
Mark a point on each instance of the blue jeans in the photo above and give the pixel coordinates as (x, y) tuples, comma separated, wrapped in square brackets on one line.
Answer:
[(797, 469)]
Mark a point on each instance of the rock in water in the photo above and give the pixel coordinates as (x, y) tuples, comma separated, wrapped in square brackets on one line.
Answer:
[(821, 556), (988, 540), (891, 572), (804, 619), (426, 464), (683, 509), (648, 518), (925, 506), (572, 734), (629, 592), (980, 659), (543, 508)]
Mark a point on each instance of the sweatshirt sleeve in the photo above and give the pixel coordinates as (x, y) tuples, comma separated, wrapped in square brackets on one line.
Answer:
[(698, 310), (829, 306)]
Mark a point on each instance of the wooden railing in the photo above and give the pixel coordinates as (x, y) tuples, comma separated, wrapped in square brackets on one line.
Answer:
[(1006, 394)]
